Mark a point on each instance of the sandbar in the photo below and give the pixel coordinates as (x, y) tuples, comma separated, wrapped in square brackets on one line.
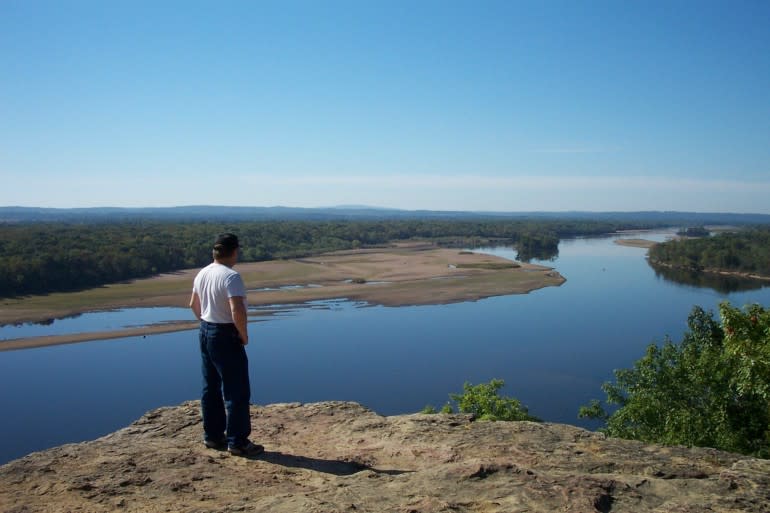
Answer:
[(636, 243), (413, 273)]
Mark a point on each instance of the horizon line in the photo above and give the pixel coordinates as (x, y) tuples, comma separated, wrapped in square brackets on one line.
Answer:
[(390, 209)]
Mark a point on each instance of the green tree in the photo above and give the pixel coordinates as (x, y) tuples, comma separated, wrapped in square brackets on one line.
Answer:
[(485, 403), (711, 390)]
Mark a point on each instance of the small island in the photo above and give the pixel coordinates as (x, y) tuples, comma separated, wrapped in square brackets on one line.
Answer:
[(407, 273), (744, 253)]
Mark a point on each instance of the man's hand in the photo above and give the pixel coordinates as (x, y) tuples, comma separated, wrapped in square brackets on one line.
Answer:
[(195, 305), (238, 309)]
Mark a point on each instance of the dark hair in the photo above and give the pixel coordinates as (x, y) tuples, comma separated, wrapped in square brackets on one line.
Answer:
[(225, 245), (220, 252)]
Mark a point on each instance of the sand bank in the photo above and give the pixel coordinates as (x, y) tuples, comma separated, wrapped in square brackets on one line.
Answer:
[(404, 274), (636, 243)]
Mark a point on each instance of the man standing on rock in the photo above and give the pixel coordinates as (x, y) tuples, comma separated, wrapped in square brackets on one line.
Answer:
[(219, 302)]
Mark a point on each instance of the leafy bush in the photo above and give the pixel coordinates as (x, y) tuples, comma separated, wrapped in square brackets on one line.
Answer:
[(712, 389), (484, 402)]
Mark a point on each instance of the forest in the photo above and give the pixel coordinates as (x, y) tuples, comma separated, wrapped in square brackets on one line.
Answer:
[(37, 258), (745, 251)]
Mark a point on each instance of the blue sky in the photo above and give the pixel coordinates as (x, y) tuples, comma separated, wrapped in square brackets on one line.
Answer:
[(444, 105)]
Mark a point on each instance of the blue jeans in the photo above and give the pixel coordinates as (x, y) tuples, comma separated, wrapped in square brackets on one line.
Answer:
[(225, 372)]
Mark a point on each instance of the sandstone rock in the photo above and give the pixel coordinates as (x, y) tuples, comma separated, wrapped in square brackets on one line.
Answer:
[(341, 457)]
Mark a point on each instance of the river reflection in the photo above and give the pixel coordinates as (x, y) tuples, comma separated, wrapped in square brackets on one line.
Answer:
[(718, 282), (553, 348)]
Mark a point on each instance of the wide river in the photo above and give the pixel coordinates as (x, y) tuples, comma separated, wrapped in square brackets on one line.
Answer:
[(553, 347)]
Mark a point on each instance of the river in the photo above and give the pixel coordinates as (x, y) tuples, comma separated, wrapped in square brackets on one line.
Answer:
[(553, 347)]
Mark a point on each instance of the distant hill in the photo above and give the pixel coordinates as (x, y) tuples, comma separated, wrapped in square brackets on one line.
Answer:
[(348, 212)]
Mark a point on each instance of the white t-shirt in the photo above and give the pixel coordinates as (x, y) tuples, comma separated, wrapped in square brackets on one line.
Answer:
[(215, 284)]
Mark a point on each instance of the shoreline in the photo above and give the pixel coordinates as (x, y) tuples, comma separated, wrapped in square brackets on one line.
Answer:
[(405, 274)]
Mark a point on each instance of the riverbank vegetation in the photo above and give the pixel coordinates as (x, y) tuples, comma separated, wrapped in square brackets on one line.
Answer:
[(710, 390), (39, 258), (746, 251)]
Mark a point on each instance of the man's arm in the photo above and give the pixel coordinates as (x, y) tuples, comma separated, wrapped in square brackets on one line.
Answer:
[(238, 309), (195, 305)]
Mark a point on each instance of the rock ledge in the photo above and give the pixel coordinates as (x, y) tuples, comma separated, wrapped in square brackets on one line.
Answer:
[(341, 457)]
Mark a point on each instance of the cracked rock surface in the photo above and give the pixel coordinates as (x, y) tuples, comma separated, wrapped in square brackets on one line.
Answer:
[(341, 457)]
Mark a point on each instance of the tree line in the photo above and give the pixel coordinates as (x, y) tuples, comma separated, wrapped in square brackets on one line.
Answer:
[(744, 251), (39, 258)]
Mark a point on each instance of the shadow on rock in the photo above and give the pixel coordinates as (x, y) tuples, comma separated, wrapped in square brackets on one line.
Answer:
[(336, 467)]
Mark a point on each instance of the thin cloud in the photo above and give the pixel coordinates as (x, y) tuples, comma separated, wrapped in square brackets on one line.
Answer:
[(572, 150), (475, 182)]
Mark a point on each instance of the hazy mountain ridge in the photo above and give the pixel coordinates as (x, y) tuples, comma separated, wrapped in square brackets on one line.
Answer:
[(12, 214)]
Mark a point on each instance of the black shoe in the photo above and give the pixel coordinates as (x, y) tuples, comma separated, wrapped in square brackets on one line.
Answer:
[(248, 449), (219, 445)]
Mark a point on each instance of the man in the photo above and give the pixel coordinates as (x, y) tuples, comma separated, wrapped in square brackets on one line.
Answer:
[(219, 302)]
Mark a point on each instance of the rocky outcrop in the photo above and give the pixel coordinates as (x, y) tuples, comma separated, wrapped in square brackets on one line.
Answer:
[(341, 457)]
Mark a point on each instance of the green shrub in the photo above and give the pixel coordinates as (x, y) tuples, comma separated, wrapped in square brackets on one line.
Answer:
[(484, 403), (710, 390)]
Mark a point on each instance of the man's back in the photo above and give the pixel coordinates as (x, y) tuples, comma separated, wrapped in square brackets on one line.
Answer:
[(215, 284)]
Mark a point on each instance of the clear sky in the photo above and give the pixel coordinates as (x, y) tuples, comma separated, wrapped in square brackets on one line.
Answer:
[(446, 105)]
